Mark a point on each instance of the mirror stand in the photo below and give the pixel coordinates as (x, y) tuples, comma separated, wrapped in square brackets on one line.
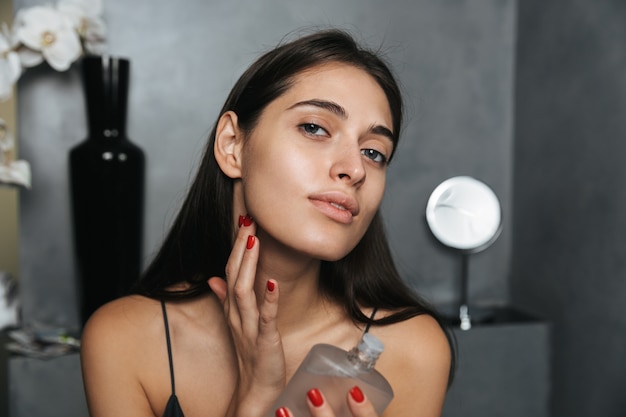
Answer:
[(464, 317), (464, 214)]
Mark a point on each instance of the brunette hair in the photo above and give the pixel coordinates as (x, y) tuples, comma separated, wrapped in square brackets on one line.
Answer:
[(199, 242)]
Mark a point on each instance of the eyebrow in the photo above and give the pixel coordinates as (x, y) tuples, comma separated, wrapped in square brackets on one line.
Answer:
[(323, 104), (341, 112)]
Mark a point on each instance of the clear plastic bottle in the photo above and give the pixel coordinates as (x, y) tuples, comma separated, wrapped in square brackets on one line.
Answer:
[(334, 372)]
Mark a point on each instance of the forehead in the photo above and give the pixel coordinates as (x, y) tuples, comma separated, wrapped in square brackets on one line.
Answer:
[(349, 86), (332, 75)]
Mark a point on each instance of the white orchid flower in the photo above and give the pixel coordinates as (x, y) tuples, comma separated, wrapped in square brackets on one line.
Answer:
[(86, 16), (45, 29), (11, 172), (16, 172), (10, 67), (6, 140), (29, 57)]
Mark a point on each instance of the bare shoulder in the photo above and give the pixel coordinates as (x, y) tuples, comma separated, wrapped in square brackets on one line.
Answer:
[(120, 332), (124, 356), (117, 343), (116, 324), (418, 337), (130, 330), (416, 361)]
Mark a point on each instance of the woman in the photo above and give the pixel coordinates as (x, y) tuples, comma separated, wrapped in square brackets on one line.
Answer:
[(278, 246)]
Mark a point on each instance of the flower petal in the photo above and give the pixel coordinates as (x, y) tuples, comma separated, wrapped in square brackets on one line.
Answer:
[(10, 71), (5, 45), (64, 51), (16, 172), (10, 67), (35, 22), (94, 33), (6, 138), (14, 65), (94, 29), (29, 57), (8, 35)]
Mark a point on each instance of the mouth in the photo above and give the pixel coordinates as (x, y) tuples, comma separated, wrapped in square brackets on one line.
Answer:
[(338, 206)]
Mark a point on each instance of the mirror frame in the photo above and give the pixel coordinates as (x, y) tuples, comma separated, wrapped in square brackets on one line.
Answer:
[(488, 197)]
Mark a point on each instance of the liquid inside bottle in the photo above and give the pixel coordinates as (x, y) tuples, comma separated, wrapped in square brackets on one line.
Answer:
[(334, 372)]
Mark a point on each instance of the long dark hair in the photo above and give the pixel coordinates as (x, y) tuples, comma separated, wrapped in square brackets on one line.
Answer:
[(199, 242)]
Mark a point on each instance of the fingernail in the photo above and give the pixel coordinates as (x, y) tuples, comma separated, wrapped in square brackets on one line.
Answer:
[(315, 396), (357, 394), (271, 286), (244, 221), (250, 242), (282, 412)]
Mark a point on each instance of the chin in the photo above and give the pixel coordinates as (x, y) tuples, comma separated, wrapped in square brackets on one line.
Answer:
[(332, 258), (329, 254), (328, 247)]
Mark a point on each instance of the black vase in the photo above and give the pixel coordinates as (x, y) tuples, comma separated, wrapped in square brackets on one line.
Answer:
[(107, 189)]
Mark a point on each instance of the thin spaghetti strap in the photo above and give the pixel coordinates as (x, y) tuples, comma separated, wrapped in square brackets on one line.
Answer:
[(169, 346), (367, 327)]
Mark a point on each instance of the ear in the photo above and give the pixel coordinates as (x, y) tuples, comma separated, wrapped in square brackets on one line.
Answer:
[(228, 144)]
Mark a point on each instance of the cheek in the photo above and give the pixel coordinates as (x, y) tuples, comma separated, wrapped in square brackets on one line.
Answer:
[(272, 180), (278, 168), (376, 190)]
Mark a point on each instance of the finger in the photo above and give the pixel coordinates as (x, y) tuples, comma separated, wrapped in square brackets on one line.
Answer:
[(233, 267), (318, 406), (218, 286), (237, 253), (268, 311), (359, 404), (243, 290), (283, 412)]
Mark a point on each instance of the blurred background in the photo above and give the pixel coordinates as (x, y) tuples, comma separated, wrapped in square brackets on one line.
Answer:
[(524, 95)]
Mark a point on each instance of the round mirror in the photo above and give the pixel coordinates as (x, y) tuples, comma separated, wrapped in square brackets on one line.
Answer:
[(464, 213)]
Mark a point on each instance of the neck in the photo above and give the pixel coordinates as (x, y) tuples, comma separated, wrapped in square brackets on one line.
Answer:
[(301, 304)]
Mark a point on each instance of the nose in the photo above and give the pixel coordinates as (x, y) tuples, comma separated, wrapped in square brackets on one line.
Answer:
[(348, 166)]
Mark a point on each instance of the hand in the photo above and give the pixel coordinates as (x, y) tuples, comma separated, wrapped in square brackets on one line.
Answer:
[(252, 323), (358, 404)]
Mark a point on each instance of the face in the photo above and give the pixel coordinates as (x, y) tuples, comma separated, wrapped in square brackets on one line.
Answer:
[(313, 169)]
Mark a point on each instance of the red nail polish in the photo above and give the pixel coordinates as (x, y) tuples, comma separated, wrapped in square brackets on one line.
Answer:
[(247, 221), (250, 242), (282, 412), (240, 223), (357, 394), (271, 286), (315, 396)]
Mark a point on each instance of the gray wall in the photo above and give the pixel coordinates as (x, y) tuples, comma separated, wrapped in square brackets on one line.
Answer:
[(562, 251), (569, 237), (454, 59)]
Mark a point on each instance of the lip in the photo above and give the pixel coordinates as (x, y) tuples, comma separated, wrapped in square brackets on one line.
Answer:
[(338, 206)]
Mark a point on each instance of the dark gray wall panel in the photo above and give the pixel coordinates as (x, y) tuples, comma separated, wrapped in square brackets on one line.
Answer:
[(569, 251)]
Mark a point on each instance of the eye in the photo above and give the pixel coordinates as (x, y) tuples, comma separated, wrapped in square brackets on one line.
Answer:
[(374, 155), (313, 129)]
